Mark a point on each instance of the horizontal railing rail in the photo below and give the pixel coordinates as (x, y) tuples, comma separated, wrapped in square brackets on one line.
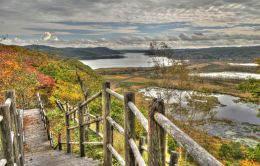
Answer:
[(116, 125), (3, 162), (91, 98), (138, 115), (116, 95), (199, 154)]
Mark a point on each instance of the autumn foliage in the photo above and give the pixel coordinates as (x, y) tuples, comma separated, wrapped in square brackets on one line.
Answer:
[(30, 71)]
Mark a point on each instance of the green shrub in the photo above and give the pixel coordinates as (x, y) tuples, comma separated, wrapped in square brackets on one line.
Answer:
[(231, 151), (172, 144), (252, 86), (225, 151), (254, 153), (117, 112)]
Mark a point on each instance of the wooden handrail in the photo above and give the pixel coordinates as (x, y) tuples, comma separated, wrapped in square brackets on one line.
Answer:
[(116, 125), (3, 162), (116, 154), (90, 115), (92, 121), (138, 157), (74, 127), (116, 95), (93, 143), (72, 112), (74, 143), (92, 98), (58, 103), (194, 149), (85, 102), (139, 115)]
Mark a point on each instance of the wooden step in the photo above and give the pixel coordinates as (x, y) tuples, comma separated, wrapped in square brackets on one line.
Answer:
[(37, 148)]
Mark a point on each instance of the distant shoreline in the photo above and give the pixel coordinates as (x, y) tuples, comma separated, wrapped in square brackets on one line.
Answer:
[(104, 57)]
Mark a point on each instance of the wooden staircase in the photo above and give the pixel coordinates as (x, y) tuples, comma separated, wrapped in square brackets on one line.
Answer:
[(38, 151)]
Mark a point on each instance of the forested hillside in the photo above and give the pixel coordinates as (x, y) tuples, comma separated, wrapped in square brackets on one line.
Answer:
[(29, 71), (213, 53), (78, 53)]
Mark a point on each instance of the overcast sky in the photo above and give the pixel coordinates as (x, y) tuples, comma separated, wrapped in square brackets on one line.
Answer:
[(131, 23)]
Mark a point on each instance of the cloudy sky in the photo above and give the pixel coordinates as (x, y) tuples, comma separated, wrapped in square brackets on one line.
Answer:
[(131, 23)]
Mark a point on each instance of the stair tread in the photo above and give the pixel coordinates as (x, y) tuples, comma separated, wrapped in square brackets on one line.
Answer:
[(37, 147)]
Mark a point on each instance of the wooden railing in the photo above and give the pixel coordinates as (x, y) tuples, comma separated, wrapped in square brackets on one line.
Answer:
[(157, 126), (11, 127), (45, 121), (83, 119)]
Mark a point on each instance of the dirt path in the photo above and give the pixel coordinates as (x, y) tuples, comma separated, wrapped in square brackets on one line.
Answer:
[(37, 148)]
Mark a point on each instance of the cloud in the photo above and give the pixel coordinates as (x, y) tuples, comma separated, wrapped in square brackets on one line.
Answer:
[(134, 23), (47, 36)]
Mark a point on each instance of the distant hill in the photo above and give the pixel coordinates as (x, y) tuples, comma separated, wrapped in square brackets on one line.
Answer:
[(214, 53), (78, 53), (219, 53)]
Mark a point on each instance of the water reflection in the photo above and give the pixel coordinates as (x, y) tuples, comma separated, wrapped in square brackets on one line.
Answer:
[(230, 107), (243, 125), (130, 60)]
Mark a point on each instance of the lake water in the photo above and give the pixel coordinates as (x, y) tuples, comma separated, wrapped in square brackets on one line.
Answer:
[(130, 60), (142, 60), (242, 117), (244, 64), (230, 107), (237, 111), (229, 75)]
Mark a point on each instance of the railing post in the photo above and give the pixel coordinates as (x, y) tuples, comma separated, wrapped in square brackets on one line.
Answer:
[(156, 135), (97, 125), (141, 144), (6, 137), (85, 112), (48, 128), (20, 134), (67, 124), (173, 158), (40, 105), (14, 125), (106, 105), (74, 115), (81, 130), (59, 141), (37, 98), (129, 129)]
